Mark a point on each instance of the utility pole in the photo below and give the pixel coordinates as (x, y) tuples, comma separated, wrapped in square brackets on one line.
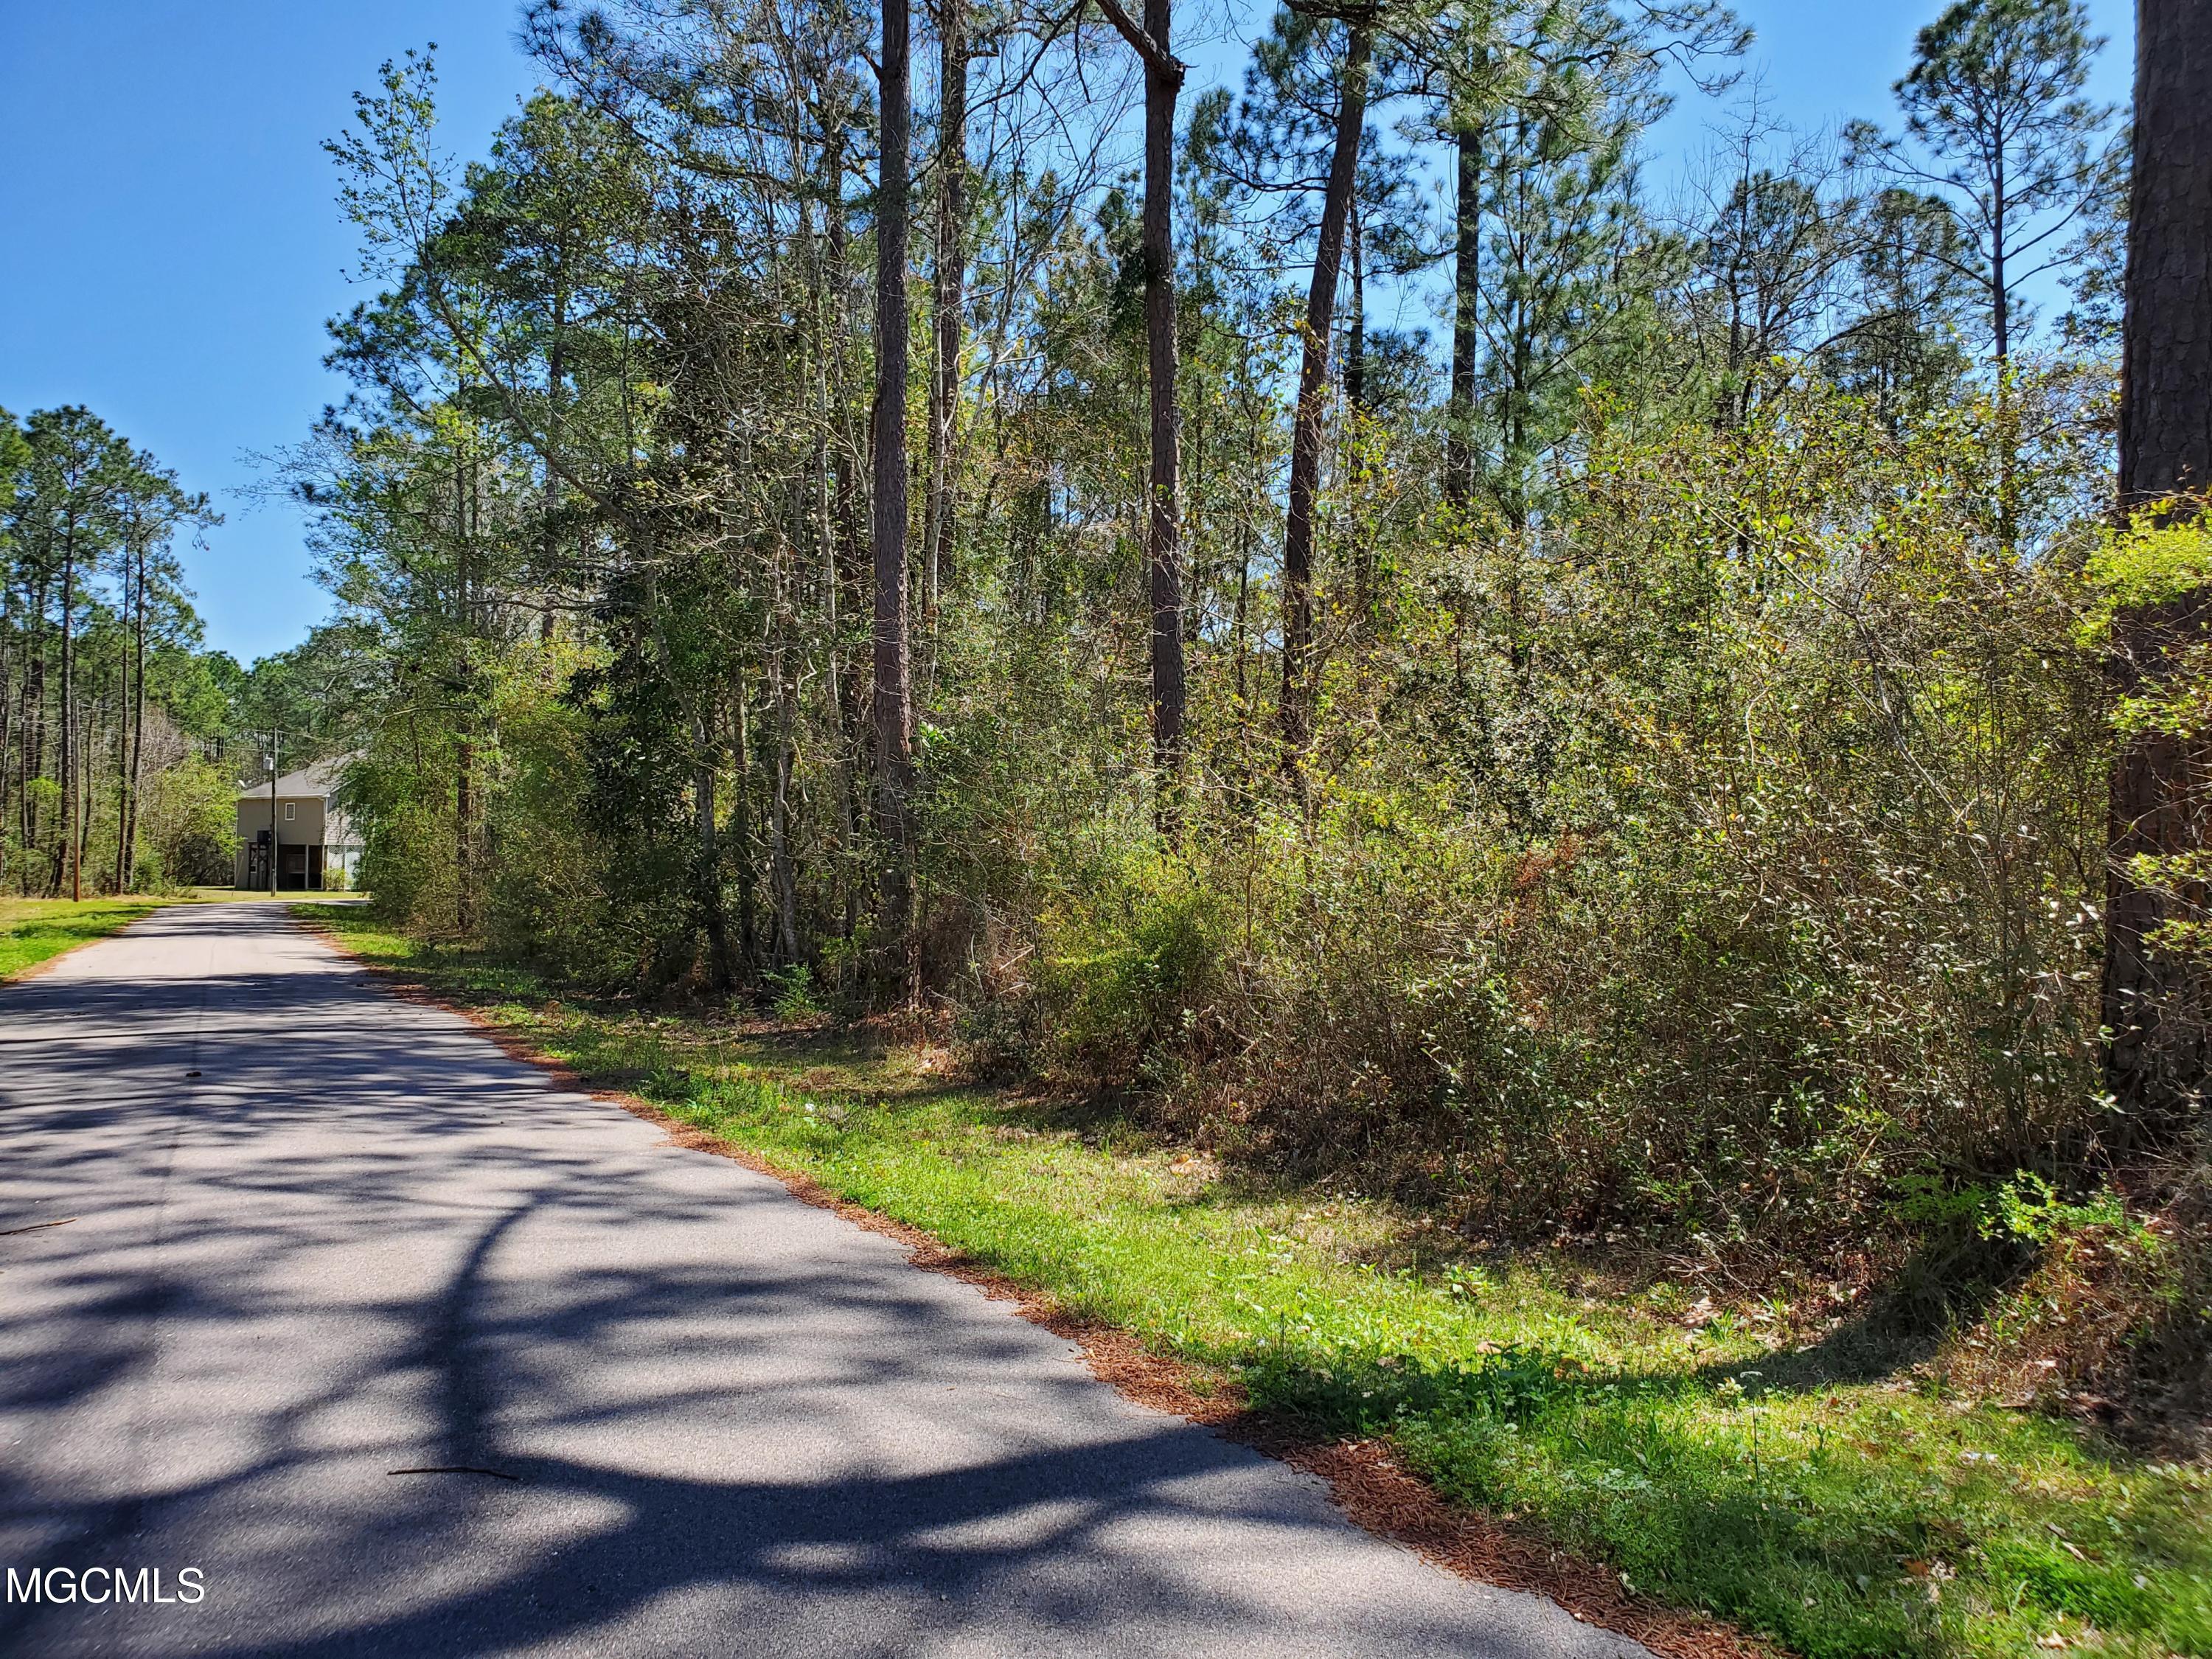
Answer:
[(272, 811)]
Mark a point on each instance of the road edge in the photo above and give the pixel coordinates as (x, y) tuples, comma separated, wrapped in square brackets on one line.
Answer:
[(45, 965), (1364, 1481)]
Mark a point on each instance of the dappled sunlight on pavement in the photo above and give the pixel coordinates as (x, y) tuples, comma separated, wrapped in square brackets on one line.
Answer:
[(410, 1352)]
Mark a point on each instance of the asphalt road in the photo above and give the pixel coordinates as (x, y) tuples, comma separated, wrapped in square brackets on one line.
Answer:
[(316, 1235)]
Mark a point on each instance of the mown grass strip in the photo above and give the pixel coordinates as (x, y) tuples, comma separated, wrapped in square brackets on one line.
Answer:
[(35, 931), (1839, 1516)]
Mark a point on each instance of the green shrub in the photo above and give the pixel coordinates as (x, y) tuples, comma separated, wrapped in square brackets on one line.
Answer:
[(1756, 876), (1131, 966), (790, 993)]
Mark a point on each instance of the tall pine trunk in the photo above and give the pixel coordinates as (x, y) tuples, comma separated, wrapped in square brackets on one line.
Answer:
[(2153, 1001), (1164, 77), (137, 721), (1163, 528), (949, 283), (464, 807), (131, 741), (1467, 277), (721, 971), (7, 711), (786, 946), (1365, 599), (65, 858), (1307, 430), (843, 571), (783, 870), (890, 703), (122, 785), (2000, 330), (87, 715), (741, 836), (33, 752), (1355, 334)]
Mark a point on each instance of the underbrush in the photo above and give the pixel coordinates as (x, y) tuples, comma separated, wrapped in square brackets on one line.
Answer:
[(1787, 1460), (1718, 863), (2111, 1315)]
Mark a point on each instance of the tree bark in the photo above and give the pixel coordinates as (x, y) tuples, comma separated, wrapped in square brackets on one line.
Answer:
[(1164, 78), (1164, 549), (65, 852), (7, 709), (1365, 599), (783, 872), (464, 807), (33, 753), (80, 823), (843, 562), (138, 767), (1297, 709), (2000, 283), (720, 971), (1355, 335), (2154, 999), (2000, 332), (122, 745), (741, 824), (786, 946), (894, 742), (1467, 278), (950, 283)]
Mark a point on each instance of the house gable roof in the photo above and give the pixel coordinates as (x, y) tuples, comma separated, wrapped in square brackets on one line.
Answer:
[(314, 782)]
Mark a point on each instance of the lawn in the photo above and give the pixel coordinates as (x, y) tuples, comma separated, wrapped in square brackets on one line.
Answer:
[(1651, 1423), (33, 930)]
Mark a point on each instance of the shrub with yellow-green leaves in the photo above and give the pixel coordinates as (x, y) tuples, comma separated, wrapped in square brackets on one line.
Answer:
[(1712, 854)]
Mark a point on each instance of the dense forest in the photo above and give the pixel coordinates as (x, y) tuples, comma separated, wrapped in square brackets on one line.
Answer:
[(1342, 614), (118, 751)]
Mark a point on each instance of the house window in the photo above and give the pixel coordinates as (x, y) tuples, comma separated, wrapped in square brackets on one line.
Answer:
[(291, 811)]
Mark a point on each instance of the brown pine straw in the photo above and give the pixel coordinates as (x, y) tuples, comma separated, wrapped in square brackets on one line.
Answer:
[(1364, 1481)]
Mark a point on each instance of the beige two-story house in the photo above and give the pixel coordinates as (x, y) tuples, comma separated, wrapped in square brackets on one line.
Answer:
[(308, 835)]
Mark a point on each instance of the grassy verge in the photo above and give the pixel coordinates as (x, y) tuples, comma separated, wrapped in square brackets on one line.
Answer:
[(33, 930), (1841, 1516)]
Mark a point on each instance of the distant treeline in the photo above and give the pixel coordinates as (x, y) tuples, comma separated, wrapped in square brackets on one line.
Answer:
[(112, 718)]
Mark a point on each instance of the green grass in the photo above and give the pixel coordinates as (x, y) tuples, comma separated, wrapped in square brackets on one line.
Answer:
[(214, 894), (34, 930), (1840, 1518)]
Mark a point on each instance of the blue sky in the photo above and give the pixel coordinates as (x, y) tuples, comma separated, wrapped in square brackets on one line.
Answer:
[(169, 248)]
